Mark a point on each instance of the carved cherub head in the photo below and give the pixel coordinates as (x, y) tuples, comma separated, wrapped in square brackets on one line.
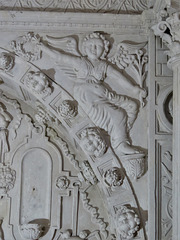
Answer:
[(38, 82), (92, 142), (127, 222), (95, 46), (6, 61)]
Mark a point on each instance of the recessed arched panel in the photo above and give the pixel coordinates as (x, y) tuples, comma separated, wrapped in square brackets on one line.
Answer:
[(36, 169)]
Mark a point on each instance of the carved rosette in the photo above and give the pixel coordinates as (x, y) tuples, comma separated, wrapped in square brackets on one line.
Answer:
[(31, 231), (62, 183), (68, 109), (113, 178), (38, 83), (134, 165), (127, 222), (6, 61), (7, 179), (92, 142)]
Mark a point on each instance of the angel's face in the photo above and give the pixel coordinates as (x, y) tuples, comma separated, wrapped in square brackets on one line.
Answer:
[(94, 48)]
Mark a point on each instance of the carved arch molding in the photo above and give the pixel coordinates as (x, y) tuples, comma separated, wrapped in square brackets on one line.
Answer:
[(85, 121)]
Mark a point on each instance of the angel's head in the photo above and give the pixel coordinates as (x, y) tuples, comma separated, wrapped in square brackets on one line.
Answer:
[(95, 46)]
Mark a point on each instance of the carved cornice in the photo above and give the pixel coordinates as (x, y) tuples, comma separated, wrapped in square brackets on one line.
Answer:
[(71, 22)]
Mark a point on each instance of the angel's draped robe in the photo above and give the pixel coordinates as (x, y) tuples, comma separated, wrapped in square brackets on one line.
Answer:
[(108, 110)]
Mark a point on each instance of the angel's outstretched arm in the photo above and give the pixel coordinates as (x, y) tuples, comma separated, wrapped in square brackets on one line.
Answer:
[(60, 57)]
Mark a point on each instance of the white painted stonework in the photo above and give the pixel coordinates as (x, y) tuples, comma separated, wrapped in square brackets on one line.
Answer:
[(89, 105)]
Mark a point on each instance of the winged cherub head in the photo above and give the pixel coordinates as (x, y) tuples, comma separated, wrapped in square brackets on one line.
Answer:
[(95, 46)]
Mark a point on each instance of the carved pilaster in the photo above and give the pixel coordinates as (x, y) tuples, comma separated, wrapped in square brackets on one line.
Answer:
[(169, 31)]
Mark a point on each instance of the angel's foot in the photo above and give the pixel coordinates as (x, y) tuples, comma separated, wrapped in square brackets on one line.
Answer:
[(126, 148)]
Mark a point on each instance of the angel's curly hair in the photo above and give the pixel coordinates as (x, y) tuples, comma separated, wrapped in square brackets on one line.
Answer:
[(100, 36)]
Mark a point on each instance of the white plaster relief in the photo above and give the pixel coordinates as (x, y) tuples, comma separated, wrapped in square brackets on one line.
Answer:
[(6, 62), (98, 102), (62, 182), (38, 83), (1, 230), (29, 40), (120, 199), (5, 119), (92, 142), (68, 109), (94, 214), (167, 194), (117, 6), (7, 179), (127, 222), (134, 165), (44, 118), (87, 173), (113, 178), (31, 231)]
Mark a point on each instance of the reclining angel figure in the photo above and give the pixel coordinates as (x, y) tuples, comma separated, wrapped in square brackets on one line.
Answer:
[(108, 110)]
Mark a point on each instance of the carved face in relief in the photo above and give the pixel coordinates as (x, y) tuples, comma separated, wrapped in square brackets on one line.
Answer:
[(38, 82), (94, 48), (127, 222), (92, 142)]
